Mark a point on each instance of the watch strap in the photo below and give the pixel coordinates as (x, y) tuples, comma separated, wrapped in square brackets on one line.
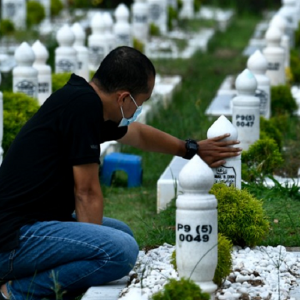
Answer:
[(191, 147)]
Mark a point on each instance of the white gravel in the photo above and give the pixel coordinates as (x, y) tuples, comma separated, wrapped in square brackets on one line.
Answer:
[(259, 273)]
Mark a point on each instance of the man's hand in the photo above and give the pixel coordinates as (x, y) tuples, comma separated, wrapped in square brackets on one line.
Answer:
[(214, 151)]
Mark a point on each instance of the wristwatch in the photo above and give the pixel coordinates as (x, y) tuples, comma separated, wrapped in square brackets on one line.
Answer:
[(191, 148)]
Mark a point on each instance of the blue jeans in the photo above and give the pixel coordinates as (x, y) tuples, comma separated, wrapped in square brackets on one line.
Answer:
[(67, 258)]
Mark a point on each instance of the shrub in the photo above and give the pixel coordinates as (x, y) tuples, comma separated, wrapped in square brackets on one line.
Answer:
[(18, 108), (7, 27), (35, 13), (241, 217), (269, 130), (154, 30), (260, 160), (56, 7), (197, 5), (181, 289), (172, 17), (282, 100), (297, 37), (295, 65), (137, 44), (59, 80), (224, 259)]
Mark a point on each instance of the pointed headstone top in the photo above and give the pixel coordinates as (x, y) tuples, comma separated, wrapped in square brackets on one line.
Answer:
[(24, 55), (221, 126), (79, 33), (196, 176), (122, 12), (279, 22), (257, 63), (273, 36), (108, 20), (97, 23), (40, 51), (65, 36), (246, 83)]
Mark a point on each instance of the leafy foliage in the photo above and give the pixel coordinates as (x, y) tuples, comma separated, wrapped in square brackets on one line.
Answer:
[(18, 108), (224, 259), (7, 27), (241, 217), (56, 7), (268, 129), (59, 80), (282, 100), (260, 160), (137, 44), (154, 30), (181, 289), (295, 65), (35, 13)]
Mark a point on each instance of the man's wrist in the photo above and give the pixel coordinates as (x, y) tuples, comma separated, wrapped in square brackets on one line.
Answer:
[(191, 147)]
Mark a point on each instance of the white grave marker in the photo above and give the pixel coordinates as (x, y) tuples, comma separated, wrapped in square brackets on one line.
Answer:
[(158, 14), (25, 77), (231, 172), (280, 22), (82, 51), (257, 64), (109, 35), (44, 71), (245, 109), (97, 44), (15, 10), (140, 22), (187, 10), (65, 54), (122, 28), (197, 225), (275, 56)]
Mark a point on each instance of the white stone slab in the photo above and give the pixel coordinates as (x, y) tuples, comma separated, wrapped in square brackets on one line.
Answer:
[(220, 105), (110, 291), (167, 185)]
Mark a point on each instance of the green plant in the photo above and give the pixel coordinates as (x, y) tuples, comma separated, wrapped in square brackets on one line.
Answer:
[(56, 7), (297, 37), (154, 30), (197, 5), (260, 160), (282, 100), (224, 259), (241, 217), (181, 289), (59, 80), (172, 17), (7, 27), (18, 108), (35, 13), (295, 65), (137, 44), (269, 130)]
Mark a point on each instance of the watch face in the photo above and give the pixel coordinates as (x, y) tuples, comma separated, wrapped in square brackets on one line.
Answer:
[(192, 145)]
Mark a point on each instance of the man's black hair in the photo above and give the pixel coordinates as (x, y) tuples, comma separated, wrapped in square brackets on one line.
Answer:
[(124, 68)]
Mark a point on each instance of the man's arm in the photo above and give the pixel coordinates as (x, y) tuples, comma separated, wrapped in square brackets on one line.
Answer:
[(212, 151), (88, 194)]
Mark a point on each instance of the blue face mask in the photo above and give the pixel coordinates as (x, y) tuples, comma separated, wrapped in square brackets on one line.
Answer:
[(125, 121)]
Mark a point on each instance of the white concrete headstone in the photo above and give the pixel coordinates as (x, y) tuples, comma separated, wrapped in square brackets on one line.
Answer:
[(245, 110), (122, 28), (158, 14), (231, 172), (257, 64), (15, 10), (109, 35), (197, 225), (1, 124), (290, 12), (25, 76), (140, 20), (65, 54), (97, 44), (280, 22), (187, 10), (44, 71), (275, 55), (82, 51)]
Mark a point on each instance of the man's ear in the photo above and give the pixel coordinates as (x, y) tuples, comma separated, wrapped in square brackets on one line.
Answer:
[(121, 96)]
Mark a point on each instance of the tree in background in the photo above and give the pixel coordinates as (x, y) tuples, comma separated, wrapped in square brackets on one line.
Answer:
[(107, 4), (56, 7), (35, 13)]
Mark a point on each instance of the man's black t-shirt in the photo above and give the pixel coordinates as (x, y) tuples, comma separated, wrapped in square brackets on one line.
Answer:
[(36, 177)]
